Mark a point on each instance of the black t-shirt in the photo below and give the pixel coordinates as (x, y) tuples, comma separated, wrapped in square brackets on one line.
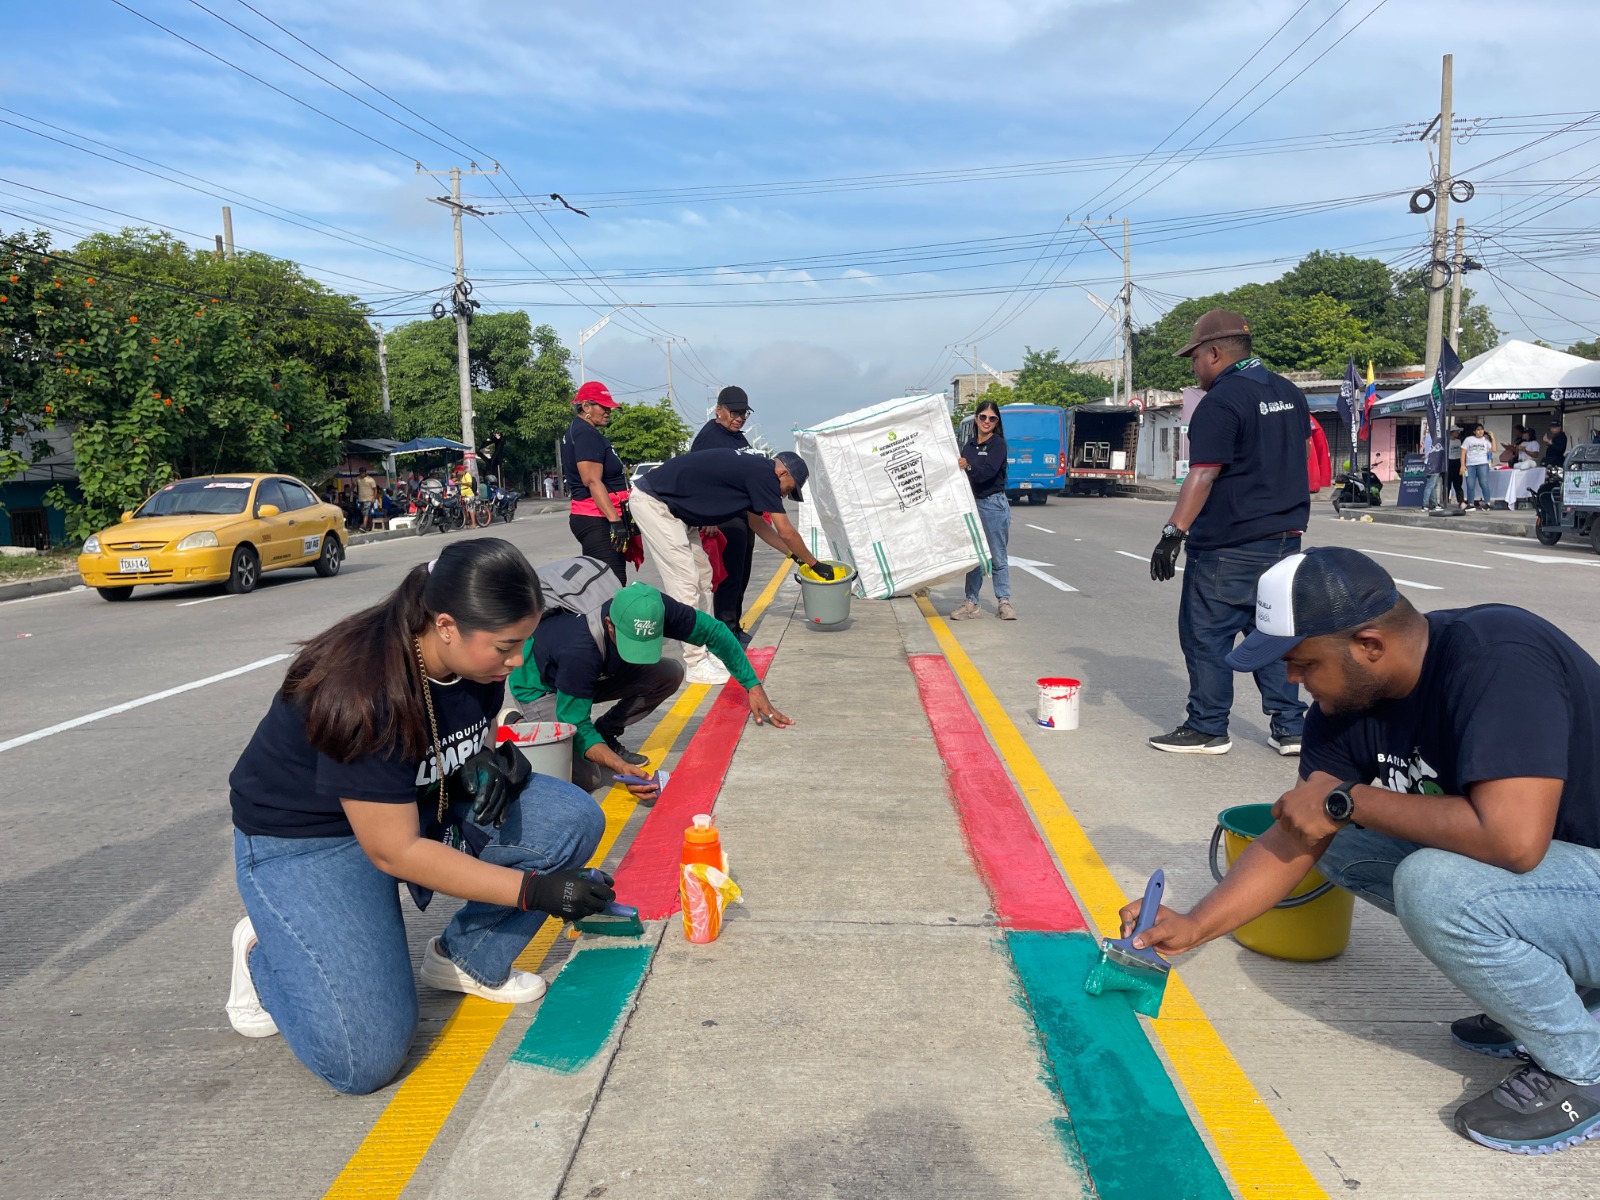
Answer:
[(1503, 693), (986, 465), (281, 787), (585, 443), (1254, 425), (713, 486), (567, 659), (714, 437), (1556, 454)]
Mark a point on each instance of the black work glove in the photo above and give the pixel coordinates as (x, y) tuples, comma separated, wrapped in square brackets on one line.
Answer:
[(824, 570), (494, 778), (619, 536), (572, 894), (1164, 562)]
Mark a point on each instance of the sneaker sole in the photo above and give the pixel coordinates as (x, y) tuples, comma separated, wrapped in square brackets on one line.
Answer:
[(1284, 751), (1554, 1145), (260, 1023), (466, 985), (1222, 749)]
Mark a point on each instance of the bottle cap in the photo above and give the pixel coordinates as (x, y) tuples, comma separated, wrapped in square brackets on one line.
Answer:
[(701, 831)]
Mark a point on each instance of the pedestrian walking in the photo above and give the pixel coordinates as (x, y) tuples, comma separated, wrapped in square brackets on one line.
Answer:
[(1477, 457), (1450, 777), (596, 480), (1243, 507), (375, 763), (983, 458), (367, 498), (725, 431), (696, 491)]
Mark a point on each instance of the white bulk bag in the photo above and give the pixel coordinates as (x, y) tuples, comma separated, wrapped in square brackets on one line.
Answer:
[(890, 497)]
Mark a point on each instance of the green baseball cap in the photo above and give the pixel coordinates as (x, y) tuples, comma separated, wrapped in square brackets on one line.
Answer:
[(639, 616)]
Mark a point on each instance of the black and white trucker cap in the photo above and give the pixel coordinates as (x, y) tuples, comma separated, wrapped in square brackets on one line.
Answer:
[(1321, 591)]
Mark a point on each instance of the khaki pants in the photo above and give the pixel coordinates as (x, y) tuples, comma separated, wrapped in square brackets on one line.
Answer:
[(677, 554)]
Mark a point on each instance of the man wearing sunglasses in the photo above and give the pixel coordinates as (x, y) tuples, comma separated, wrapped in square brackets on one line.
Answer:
[(725, 431)]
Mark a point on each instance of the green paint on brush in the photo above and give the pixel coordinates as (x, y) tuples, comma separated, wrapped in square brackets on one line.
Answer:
[(1126, 1117), (582, 1007)]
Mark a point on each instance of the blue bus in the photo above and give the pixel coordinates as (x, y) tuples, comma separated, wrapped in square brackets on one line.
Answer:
[(1035, 466)]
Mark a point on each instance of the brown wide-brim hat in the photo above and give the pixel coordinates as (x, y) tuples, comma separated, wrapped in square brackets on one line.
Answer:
[(1217, 324)]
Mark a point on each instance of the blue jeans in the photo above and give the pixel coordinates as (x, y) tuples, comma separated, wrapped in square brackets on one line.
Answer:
[(1219, 603), (1516, 944), (1478, 480), (331, 962), (1433, 491), (995, 513)]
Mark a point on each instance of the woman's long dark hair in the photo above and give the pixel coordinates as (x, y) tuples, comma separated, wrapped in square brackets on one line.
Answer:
[(999, 420), (359, 685)]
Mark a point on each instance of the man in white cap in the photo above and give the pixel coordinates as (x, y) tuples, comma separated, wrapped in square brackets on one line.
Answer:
[(1451, 776)]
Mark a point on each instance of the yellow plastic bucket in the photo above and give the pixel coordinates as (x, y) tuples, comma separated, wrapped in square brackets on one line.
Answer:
[(1310, 924)]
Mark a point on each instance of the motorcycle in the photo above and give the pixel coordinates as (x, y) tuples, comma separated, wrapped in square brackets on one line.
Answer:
[(505, 504), (1357, 489), (435, 511)]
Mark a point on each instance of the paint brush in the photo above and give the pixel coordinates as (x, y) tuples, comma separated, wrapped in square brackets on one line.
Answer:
[(1123, 968), (617, 920)]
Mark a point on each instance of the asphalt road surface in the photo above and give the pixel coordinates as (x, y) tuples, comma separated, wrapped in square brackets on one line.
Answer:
[(119, 725)]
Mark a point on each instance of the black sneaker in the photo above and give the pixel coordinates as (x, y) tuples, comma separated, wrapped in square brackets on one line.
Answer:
[(1287, 744), (1184, 740), (1532, 1112), (631, 757), (1482, 1034)]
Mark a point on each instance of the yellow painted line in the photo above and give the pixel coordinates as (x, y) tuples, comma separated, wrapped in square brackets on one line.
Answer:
[(1259, 1155), (394, 1147)]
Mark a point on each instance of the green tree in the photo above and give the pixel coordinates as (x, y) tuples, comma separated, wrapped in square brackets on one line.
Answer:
[(24, 269), (647, 432), (1045, 379), (1585, 349)]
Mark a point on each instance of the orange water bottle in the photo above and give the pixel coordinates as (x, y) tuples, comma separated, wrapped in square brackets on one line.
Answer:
[(703, 884), (703, 844)]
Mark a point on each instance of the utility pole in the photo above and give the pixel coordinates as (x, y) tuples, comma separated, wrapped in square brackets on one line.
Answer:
[(668, 342), (462, 302), (1460, 263), (1438, 270), (974, 372), (383, 392), (227, 233)]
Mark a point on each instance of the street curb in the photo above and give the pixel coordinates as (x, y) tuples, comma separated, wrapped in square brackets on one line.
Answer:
[(1462, 524), (24, 588)]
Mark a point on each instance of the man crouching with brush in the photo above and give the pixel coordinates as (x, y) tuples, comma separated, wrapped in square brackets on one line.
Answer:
[(1480, 828)]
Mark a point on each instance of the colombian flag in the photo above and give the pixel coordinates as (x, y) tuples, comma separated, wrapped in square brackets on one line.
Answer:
[(1367, 403)]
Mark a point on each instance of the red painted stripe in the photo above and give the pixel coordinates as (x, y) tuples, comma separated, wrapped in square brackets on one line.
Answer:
[(1012, 859), (648, 874)]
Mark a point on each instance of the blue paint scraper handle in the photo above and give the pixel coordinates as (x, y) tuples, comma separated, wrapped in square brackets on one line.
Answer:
[(613, 909), (1148, 911)]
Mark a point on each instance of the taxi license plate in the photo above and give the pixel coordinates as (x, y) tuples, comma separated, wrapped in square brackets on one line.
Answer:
[(1025, 485), (133, 566)]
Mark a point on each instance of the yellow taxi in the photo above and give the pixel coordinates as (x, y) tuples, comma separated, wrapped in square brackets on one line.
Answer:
[(216, 529)]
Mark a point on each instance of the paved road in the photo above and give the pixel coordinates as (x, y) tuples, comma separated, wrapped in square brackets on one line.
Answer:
[(116, 897)]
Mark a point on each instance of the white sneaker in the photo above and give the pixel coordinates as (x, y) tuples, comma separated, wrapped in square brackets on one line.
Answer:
[(439, 972), (707, 671), (245, 1013)]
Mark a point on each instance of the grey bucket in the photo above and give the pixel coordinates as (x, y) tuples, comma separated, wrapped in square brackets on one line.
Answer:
[(547, 745), (827, 602)]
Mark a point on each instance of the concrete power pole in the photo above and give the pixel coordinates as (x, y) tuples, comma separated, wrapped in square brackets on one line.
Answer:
[(227, 233), (668, 343), (1460, 264), (462, 303), (1127, 339), (1437, 272)]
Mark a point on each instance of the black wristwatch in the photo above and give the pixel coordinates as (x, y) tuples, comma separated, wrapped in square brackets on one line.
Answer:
[(1339, 804), (1169, 530)]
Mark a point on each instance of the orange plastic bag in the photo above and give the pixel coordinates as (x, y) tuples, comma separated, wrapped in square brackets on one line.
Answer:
[(705, 892)]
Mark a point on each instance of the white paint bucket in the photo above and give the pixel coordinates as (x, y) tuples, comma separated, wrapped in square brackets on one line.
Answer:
[(1058, 703), (547, 745)]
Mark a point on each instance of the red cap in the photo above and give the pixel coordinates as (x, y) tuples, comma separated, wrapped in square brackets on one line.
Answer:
[(595, 392)]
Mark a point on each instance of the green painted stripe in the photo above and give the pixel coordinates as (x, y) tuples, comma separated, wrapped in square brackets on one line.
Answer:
[(1126, 1118), (582, 1007), (980, 544), (883, 565)]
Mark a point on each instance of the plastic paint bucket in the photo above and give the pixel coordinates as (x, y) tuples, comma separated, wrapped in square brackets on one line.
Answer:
[(547, 745), (1058, 703), (826, 601), (1310, 924)]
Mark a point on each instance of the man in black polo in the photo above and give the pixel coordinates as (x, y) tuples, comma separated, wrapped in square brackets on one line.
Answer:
[(1243, 507), (1556, 440), (694, 491), (725, 431)]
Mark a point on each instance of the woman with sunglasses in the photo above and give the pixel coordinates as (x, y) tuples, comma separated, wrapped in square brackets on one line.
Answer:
[(375, 763), (983, 458), (596, 481)]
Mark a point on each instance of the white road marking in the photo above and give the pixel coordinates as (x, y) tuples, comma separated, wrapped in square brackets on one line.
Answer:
[(1449, 562), (203, 600), (1032, 568), (1041, 528), (1545, 558), (1136, 557), (139, 703), (1427, 587), (46, 595)]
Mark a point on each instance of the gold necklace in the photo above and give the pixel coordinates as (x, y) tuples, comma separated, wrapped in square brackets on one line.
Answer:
[(433, 723)]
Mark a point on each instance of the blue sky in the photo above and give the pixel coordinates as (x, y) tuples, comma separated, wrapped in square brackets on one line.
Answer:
[(659, 119)]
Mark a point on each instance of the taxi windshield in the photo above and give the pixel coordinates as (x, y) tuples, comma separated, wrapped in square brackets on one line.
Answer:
[(218, 496)]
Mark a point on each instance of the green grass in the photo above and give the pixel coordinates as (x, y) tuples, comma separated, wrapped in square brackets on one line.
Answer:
[(38, 566)]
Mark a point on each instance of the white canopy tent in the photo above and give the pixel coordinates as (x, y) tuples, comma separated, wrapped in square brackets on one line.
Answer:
[(1513, 377)]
